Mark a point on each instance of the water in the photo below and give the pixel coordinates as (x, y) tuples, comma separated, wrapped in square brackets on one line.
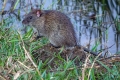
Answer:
[(88, 31)]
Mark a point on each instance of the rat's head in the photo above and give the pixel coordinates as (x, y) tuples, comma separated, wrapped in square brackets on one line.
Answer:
[(32, 17), (35, 19)]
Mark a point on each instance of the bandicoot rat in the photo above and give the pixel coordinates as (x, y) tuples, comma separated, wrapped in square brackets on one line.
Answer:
[(54, 25)]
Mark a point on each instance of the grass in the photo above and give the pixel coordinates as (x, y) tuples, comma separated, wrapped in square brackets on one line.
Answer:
[(16, 64)]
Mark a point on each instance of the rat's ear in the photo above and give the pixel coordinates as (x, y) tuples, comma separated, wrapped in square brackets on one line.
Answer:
[(38, 13)]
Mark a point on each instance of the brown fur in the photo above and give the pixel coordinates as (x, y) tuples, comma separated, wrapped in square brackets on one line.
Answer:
[(54, 25)]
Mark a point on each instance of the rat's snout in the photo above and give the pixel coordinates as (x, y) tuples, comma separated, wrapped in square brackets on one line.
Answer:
[(25, 22)]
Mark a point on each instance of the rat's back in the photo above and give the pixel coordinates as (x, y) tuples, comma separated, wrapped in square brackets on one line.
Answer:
[(62, 31)]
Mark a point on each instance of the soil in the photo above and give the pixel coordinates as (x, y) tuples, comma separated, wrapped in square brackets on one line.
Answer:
[(51, 55)]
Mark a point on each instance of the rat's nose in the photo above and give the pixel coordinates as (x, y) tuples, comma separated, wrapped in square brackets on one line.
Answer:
[(24, 22)]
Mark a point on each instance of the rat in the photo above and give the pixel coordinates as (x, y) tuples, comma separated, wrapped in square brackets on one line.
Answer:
[(54, 25)]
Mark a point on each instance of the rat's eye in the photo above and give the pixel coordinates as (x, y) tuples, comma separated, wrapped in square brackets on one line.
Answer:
[(30, 17)]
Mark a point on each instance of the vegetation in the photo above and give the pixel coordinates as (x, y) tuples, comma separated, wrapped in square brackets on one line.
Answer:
[(16, 62)]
